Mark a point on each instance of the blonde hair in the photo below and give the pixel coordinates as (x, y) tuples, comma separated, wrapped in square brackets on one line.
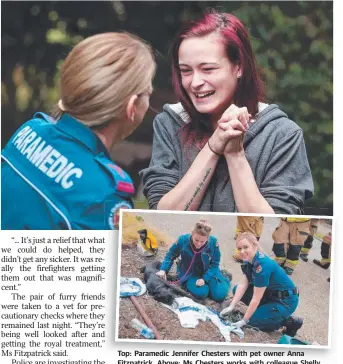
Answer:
[(251, 238), (100, 74), (202, 227)]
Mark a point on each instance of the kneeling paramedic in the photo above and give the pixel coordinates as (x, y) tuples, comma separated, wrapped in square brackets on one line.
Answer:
[(265, 287), (198, 269)]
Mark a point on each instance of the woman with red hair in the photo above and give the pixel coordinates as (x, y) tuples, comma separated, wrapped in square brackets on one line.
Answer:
[(221, 148)]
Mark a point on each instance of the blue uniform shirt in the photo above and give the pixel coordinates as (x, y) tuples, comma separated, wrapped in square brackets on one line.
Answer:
[(265, 272), (60, 176), (210, 257)]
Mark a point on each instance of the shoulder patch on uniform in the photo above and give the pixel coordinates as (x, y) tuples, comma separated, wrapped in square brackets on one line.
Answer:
[(258, 268), (113, 218), (123, 182), (126, 187)]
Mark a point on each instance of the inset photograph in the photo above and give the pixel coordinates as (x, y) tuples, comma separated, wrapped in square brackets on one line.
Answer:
[(216, 278)]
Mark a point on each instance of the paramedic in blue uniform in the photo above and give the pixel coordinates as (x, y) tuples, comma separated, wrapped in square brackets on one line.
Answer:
[(199, 269), (57, 172), (265, 287)]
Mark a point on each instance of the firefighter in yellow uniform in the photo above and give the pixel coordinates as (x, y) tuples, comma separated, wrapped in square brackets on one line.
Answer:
[(289, 237), (248, 224), (309, 241), (325, 253), (147, 243)]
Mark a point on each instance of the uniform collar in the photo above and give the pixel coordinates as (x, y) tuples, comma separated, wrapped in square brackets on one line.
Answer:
[(69, 125), (194, 249), (255, 258)]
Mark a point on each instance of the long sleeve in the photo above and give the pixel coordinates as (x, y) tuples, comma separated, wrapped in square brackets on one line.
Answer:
[(162, 175), (172, 254), (288, 181), (214, 265)]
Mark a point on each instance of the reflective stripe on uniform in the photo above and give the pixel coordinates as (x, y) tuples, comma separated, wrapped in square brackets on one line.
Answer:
[(295, 219), (59, 212), (280, 260), (305, 250), (291, 263)]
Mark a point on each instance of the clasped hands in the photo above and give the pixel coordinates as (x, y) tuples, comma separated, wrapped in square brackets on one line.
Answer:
[(228, 136)]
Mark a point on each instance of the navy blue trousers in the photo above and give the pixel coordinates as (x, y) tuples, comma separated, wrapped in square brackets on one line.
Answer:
[(271, 312), (217, 288)]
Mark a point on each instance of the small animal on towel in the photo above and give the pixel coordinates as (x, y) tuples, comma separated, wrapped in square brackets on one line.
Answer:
[(155, 285)]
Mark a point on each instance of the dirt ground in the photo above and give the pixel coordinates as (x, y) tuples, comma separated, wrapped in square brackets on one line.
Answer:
[(310, 279)]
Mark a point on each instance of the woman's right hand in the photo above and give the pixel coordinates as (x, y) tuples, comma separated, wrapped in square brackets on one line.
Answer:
[(162, 274), (227, 311), (223, 133)]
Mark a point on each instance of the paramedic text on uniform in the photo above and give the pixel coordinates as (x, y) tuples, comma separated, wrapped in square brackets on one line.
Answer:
[(57, 172)]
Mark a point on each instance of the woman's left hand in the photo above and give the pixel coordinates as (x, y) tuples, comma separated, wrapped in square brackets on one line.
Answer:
[(239, 324), (234, 146), (236, 113), (200, 282)]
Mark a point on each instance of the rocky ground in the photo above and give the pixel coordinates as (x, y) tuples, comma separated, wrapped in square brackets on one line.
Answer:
[(311, 280)]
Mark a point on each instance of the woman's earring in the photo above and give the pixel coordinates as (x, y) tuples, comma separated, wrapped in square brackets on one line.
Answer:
[(239, 75), (60, 105)]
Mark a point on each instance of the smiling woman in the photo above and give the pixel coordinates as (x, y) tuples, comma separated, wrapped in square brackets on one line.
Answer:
[(221, 148), (210, 85)]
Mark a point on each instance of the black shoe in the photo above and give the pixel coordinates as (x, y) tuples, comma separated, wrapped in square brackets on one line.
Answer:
[(324, 266), (226, 274), (289, 271), (328, 279), (304, 257), (292, 325)]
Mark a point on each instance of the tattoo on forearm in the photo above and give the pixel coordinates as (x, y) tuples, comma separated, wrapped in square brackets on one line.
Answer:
[(198, 189)]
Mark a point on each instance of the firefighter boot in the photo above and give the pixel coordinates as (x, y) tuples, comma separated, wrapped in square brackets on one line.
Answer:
[(289, 271), (292, 325), (304, 257), (318, 262)]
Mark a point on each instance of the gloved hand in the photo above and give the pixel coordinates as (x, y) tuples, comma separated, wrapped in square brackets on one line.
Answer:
[(226, 312), (239, 324), (162, 274)]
